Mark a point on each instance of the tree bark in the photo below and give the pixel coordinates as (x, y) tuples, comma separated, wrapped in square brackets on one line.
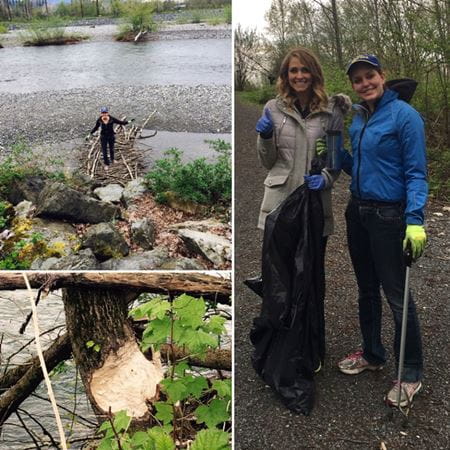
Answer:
[(115, 373), (195, 284), (25, 379)]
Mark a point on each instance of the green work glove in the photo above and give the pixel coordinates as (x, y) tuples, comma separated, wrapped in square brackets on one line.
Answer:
[(415, 234), (321, 147)]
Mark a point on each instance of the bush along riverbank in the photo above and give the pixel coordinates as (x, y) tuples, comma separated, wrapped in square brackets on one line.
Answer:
[(52, 221)]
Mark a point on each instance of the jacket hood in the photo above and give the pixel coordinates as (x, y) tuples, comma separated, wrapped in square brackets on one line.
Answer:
[(405, 88)]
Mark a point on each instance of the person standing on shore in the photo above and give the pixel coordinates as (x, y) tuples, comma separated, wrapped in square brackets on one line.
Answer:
[(385, 215), (106, 124)]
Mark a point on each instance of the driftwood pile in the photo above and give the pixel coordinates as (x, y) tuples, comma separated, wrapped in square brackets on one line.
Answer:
[(128, 160)]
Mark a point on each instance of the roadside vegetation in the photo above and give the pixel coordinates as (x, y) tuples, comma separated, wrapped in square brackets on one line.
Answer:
[(421, 56)]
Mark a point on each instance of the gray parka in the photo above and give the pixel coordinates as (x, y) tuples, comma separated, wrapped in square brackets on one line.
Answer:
[(288, 154)]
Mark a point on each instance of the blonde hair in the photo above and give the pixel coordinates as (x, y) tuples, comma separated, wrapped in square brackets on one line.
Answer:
[(319, 98)]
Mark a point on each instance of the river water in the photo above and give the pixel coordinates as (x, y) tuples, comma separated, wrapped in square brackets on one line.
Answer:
[(69, 393), (56, 68), (14, 308)]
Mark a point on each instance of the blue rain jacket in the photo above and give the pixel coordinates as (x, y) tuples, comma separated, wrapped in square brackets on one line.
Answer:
[(389, 160)]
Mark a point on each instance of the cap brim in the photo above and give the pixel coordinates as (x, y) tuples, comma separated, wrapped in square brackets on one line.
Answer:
[(360, 61)]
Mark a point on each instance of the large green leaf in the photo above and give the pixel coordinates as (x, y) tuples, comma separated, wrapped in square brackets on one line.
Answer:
[(211, 440), (195, 385), (198, 341), (156, 332), (121, 421), (164, 412), (190, 310), (214, 413), (223, 388), (162, 441), (175, 389), (140, 439), (215, 325), (155, 308)]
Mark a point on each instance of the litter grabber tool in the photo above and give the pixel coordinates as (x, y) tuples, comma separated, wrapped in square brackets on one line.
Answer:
[(408, 261), (408, 258)]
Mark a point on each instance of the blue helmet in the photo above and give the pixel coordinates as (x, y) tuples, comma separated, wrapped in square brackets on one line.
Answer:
[(103, 109)]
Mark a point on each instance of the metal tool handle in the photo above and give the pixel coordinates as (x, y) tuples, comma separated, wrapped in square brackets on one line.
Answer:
[(407, 254)]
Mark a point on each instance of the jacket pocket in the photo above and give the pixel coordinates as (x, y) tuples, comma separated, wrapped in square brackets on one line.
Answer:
[(275, 191), (275, 180)]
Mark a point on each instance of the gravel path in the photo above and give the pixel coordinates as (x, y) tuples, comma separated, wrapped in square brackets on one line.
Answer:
[(349, 412)]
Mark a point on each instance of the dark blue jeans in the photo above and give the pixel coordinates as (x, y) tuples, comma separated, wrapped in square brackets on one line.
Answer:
[(375, 232), (105, 140)]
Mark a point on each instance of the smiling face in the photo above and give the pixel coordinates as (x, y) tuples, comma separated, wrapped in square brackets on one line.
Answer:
[(104, 117), (299, 77), (368, 83)]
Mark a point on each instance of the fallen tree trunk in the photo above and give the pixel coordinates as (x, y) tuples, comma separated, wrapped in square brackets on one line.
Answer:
[(219, 359), (196, 284), (23, 381)]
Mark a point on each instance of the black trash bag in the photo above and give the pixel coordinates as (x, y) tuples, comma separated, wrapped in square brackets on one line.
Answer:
[(289, 334)]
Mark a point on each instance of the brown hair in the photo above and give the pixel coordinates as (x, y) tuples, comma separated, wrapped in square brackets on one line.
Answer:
[(319, 97)]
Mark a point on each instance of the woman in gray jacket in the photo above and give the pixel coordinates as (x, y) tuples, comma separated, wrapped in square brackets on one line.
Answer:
[(291, 131)]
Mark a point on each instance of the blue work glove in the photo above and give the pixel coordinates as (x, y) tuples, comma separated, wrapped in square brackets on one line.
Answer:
[(315, 182), (265, 123)]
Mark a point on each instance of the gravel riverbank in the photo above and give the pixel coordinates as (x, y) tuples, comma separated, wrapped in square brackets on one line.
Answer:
[(49, 116), (53, 116)]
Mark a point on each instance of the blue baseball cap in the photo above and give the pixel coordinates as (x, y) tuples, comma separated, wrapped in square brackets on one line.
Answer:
[(366, 58), (103, 109)]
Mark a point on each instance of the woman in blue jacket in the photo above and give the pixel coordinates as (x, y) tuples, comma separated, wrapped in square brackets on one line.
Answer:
[(385, 214)]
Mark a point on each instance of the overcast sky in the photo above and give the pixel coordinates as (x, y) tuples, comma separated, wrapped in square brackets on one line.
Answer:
[(250, 13)]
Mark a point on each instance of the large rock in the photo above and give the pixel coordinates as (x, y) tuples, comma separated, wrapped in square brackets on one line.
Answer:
[(207, 226), (151, 260), (60, 237), (133, 190), (61, 202), (24, 209), (83, 260), (83, 183), (111, 193), (143, 233), (27, 189), (213, 247), (105, 241)]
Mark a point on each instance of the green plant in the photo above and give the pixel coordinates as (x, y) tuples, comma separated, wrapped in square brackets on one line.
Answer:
[(138, 17), (5, 210), (259, 95), (197, 181), (439, 173), (189, 398), (3, 29)]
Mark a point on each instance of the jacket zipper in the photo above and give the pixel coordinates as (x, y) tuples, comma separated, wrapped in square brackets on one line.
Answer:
[(358, 172)]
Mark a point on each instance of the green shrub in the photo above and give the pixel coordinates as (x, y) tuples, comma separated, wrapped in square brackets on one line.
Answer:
[(260, 95), (192, 407), (4, 215), (439, 173), (3, 29), (197, 181)]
